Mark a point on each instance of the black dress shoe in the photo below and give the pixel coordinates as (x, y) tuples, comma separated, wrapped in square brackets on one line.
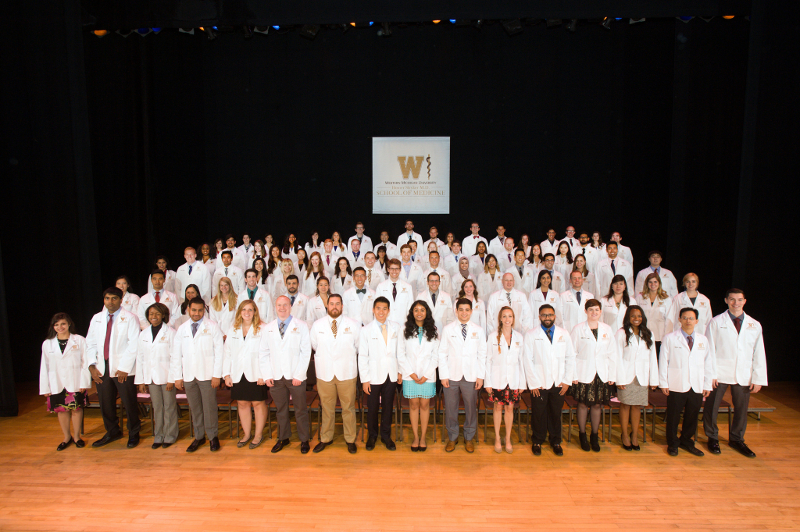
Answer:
[(537, 449), (672, 451), (195, 445), (636, 448), (321, 446), (215, 444), (557, 450), (742, 448), (80, 444), (584, 442), (280, 444), (627, 447), (108, 438), (692, 450), (713, 446), (304, 447), (414, 449), (422, 449), (371, 442), (64, 444), (351, 448), (155, 446), (165, 445), (595, 442), (389, 444), (133, 441)]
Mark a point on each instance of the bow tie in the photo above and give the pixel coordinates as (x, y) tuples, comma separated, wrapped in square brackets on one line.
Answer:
[(362, 291)]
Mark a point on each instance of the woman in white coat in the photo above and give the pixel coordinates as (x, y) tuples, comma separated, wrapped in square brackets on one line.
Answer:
[(241, 369), (637, 369), (223, 307), (469, 291), (656, 305), (535, 258), (314, 245), (64, 377), (418, 357), (490, 279), (169, 276), (313, 273), (153, 359), (257, 252), (595, 370), (339, 247), (130, 301), (588, 277), (543, 294), (290, 248), (318, 305), (342, 279), (691, 298), (505, 374), (564, 260), (616, 302), (277, 285)]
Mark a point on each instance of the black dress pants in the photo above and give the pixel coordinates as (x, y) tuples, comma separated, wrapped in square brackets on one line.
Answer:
[(381, 395), (107, 397), (689, 403), (546, 415)]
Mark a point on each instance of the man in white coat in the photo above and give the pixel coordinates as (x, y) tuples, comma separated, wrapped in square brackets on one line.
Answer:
[(354, 254), (496, 244), (284, 355), (470, 243), (592, 255), (434, 262), (572, 301), (364, 242), (329, 257), (434, 237), (524, 274), (668, 282), (439, 302), (740, 364), (505, 259), (399, 293), (549, 359), (192, 272), (685, 374), (334, 339), (197, 367), (451, 261), (550, 244), (509, 297), (558, 283), (297, 300), (256, 292), (246, 249), (411, 271), (408, 236), (159, 295), (378, 344), (238, 259), (606, 269), (392, 251), (462, 368), (572, 241), (374, 274), (623, 251), (230, 271), (111, 346), (357, 301)]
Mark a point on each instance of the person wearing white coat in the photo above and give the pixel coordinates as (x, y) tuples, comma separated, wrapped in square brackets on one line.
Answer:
[(374, 274), (691, 298), (592, 254), (510, 296), (169, 276), (549, 358), (550, 245), (130, 302), (637, 370), (235, 274), (572, 241), (606, 269), (153, 361), (239, 259), (491, 279), (657, 307), (257, 293), (439, 302), (158, 295), (470, 243), (197, 367), (615, 303), (297, 301), (392, 250), (410, 272), (595, 371), (685, 374), (399, 293), (544, 294), (434, 265), (354, 254), (624, 251), (64, 377), (496, 244), (558, 283), (408, 236), (505, 259), (668, 281), (524, 274), (740, 364), (192, 272), (572, 302), (505, 374), (364, 241), (111, 358), (357, 301)]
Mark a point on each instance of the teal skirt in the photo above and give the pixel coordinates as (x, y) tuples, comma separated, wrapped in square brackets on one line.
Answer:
[(412, 390)]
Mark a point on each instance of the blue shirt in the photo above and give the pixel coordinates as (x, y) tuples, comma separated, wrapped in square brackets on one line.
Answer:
[(656, 270), (115, 314), (551, 329), (285, 323), (685, 336)]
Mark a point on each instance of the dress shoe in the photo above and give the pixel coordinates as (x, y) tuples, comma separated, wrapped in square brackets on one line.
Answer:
[(414, 449), (633, 447), (304, 447), (742, 448), (469, 445), (254, 444), (280, 444), (108, 438), (80, 444), (691, 449), (371, 442), (450, 447), (351, 448), (627, 447), (713, 446), (195, 444), (215, 444), (595, 441), (389, 444), (584, 442), (537, 449), (155, 446), (636, 448), (422, 449), (165, 445), (64, 444), (672, 451), (133, 441), (321, 446), (557, 450), (242, 443)]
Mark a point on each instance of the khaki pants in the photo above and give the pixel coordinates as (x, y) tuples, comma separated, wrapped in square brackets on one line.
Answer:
[(346, 392)]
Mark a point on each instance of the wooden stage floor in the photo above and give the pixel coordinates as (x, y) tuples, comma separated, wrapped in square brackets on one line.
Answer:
[(142, 489)]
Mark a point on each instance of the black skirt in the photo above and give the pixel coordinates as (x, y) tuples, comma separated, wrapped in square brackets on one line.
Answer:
[(244, 390), (596, 392)]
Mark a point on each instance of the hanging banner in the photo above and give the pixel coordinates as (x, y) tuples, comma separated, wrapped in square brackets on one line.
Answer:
[(411, 175)]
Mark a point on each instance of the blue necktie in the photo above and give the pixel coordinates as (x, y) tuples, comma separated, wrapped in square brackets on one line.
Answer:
[(194, 328), (464, 330), (190, 269), (613, 268)]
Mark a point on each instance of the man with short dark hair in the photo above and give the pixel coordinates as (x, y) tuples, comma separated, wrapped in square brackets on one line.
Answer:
[(399, 293), (438, 300), (358, 299), (408, 236), (159, 295), (496, 245), (614, 265), (297, 300), (238, 258), (550, 244), (192, 272), (668, 282), (364, 242), (230, 271), (470, 243), (256, 292)]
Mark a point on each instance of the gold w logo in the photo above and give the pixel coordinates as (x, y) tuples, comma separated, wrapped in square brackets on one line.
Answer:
[(411, 165)]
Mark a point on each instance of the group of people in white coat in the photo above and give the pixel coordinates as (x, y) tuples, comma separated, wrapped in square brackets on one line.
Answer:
[(368, 317)]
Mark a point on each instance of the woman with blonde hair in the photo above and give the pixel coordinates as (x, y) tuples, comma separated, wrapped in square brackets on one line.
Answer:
[(655, 304), (318, 305), (242, 371), (278, 286), (223, 306), (690, 297), (505, 374), (313, 273), (469, 291)]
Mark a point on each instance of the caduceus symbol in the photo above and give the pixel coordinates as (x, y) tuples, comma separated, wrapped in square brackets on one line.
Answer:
[(429, 166)]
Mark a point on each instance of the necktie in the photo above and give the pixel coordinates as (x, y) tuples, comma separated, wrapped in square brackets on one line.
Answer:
[(738, 323), (356, 254), (190, 269), (690, 341), (409, 238), (333, 328), (413, 258), (226, 272), (394, 290), (328, 259), (578, 297), (613, 268), (251, 294), (433, 298), (509, 257), (570, 242), (549, 337), (281, 328), (194, 328), (369, 276), (464, 331), (108, 336), (508, 296), (293, 298), (361, 291), (475, 237), (583, 251), (520, 270), (385, 334), (158, 297)]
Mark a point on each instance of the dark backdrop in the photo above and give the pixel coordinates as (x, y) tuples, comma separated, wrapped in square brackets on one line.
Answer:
[(638, 129)]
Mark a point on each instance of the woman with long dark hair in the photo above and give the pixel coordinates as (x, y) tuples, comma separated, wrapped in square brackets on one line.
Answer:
[(616, 302), (192, 291), (290, 247), (342, 276)]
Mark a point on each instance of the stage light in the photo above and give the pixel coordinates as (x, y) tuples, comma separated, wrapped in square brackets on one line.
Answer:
[(385, 31), (572, 25), (635, 20), (353, 24), (261, 29), (436, 21), (190, 31), (512, 27), (685, 19), (553, 22), (143, 31), (727, 17), (276, 27), (100, 33), (124, 33), (210, 33), (619, 18), (309, 31), (452, 21), (156, 30)]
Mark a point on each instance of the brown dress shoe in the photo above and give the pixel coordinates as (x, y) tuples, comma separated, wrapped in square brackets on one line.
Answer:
[(469, 445), (451, 446)]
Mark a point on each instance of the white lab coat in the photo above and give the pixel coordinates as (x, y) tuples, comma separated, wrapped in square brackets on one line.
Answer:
[(563, 267), (548, 364), (612, 316), (377, 360), (668, 282), (658, 314), (701, 303), (122, 350), (488, 286), (572, 312), (168, 299), (392, 251), (403, 239), (356, 309), (64, 371), (199, 357), (603, 274), (366, 243), (154, 355), (247, 252), (239, 259), (291, 254), (523, 317), (589, 282), (340, 285), (450, 262), (496, 246), (130, 302), (478, 316), (299, 306), (199, 277), (414, 275), (445, 280), (340, 249), (169, 282), (335, 356), (418, 357), (262, 299), (738, 358), (457, 280), (399, 306), (527, 282), (443, 310), (574, 245), (223, 318), (504, 363), (355, 262), (309, 284), (460, 358), (595, 357), (558, 282), (537, 299), (241, 355), (315, 309), (311, 248), (234, 274), (547, 247), (470, 243), (592, 255), (636, 360), (476, 265), (375, 276), (505, 260), (681, 370), (287, 357), (625, 253)]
